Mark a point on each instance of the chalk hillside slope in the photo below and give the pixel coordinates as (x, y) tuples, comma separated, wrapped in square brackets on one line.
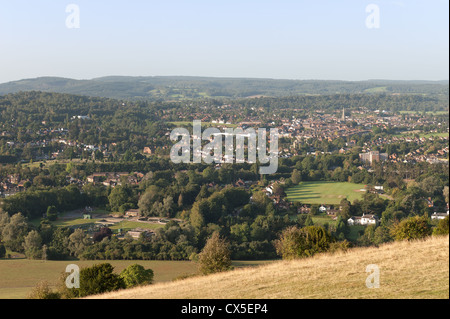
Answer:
[(418, 269)]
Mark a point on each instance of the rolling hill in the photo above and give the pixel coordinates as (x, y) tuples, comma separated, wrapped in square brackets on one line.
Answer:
[(185, 87), (408, 270)]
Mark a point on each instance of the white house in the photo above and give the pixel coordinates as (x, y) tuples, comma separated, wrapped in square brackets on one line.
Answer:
[(369, 219), (439, 215), (364, 220), (322, 209), (354, 220)]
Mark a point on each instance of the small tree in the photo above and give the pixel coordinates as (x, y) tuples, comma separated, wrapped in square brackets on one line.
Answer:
[(78, 241), (136, 275), (341, 227), (296, 177), (52, 213), (215, 256), (345, 209), (288, 245), (14, 232), (32, 245), (309, 221)]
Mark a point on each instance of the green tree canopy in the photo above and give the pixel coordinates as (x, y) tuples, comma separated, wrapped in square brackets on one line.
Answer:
[(97, 279), (297, 242), (415, 227), (33, 245), (136, 275)]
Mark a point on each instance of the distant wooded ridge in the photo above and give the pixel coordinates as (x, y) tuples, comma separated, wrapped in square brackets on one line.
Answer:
[(189, 87)]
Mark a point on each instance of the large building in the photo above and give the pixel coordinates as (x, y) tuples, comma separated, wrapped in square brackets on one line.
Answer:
[(373, 156)]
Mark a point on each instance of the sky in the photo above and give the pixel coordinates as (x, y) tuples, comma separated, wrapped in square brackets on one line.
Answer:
[(280, 39)]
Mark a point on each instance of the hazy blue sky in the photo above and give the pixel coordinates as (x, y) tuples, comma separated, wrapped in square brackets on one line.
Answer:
[(291, 39)]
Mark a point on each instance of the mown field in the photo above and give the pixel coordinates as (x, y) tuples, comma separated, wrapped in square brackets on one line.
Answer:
[(422, 134), (327, 193), (19, 276)]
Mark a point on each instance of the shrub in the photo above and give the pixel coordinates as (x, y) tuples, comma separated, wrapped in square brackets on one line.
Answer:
[(342, 246), (43, 291), (94, 280), (136, 275), (52, 213), (297, 242), (288, 245), (415, 227), (215, 256)]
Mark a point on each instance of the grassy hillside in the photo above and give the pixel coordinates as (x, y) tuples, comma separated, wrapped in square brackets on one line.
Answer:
[(417, 269), (185, 87)]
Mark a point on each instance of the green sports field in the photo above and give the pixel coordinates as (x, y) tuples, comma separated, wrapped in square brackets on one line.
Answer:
[(327, 193)]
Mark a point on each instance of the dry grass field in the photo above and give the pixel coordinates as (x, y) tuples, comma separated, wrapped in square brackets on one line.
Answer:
[(408, 270), (19, 276)]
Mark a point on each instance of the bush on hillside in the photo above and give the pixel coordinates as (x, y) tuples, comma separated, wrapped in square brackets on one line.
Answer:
[(297, 242), (94, 280), (415, 227), (215, 256), (136, 275), (42, 290)]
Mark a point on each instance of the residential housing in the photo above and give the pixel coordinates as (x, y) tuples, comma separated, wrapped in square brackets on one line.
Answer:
[(365, 219)]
